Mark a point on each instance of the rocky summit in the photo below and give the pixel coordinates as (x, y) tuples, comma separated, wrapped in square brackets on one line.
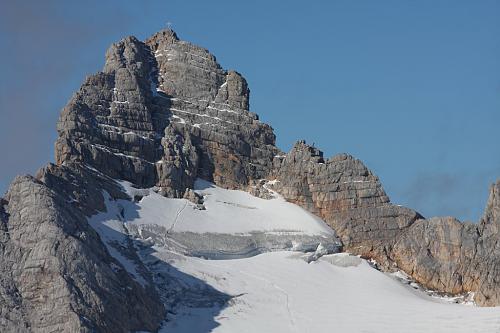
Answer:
[(161, 115)]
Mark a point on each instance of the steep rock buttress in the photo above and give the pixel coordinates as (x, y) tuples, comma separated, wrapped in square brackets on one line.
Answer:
[(163, 113)]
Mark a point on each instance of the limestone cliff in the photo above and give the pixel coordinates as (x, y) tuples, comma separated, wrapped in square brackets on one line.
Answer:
[(447, 255), (56, 274), (162, 113), (347, 195)]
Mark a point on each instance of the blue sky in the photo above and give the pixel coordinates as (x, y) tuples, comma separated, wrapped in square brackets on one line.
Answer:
[(412, 88)]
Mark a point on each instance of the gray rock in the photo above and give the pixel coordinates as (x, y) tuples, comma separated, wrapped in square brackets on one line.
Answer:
[(446, 255), (56, 274), (437, 252), (114, 123), (163, 113)]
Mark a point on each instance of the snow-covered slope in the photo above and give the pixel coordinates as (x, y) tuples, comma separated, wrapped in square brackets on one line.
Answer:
[(255, 286), (227, 212), (232, 224), (278, 292)]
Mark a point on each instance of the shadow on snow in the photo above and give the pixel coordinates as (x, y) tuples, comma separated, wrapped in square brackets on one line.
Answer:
[(192, 305)]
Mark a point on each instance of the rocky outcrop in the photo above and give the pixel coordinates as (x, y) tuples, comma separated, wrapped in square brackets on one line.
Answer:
[(347, 195), (113, 122), (487, 263), (210, 110), (162, 113), (447, 255), (438, 253), (442, 254), (491, 218), (56, 274)]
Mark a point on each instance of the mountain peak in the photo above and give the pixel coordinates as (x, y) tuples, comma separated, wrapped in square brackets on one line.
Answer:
[(163, 113), (167, 34), (159, 158)]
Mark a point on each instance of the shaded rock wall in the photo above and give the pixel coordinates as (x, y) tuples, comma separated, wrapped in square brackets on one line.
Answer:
[(113, 122), (56, 274)]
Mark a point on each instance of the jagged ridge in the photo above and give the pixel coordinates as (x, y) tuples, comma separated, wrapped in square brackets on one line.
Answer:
[(163, 113)]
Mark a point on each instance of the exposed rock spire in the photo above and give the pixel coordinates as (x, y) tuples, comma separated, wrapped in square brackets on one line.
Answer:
[(128, 120)]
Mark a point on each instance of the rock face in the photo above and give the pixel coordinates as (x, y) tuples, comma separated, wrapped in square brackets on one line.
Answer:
[(442, 254), (438, 251), (56, 275), (161, 114), (346, 195), (113, 122), (447, 255)]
